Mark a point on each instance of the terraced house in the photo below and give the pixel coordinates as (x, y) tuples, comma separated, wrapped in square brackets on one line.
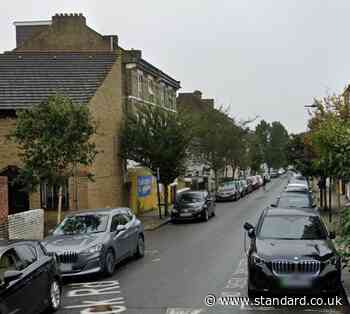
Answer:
[(64, 55)]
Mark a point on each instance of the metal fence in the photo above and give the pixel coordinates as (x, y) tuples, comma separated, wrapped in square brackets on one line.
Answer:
[(24, 225)]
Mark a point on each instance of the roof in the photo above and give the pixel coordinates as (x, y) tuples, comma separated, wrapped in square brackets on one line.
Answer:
[(290, 212), (28, 78), (99, 211)]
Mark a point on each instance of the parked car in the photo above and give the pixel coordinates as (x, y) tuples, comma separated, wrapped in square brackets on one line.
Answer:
[(291, 251), (227, 191), (260, 180), (295, 200), (30, 281), (193, 205), (244, 183), (274, 174), (255, 182), (295, 187), (240, 188), (95, 241), (250, 184)]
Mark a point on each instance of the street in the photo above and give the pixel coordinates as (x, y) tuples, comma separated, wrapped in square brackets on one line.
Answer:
[(183, 264)]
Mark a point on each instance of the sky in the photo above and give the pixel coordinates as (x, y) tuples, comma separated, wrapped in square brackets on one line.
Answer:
[(265, 58)]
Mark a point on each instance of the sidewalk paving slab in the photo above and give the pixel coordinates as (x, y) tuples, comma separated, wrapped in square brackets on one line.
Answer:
[(151, 220)]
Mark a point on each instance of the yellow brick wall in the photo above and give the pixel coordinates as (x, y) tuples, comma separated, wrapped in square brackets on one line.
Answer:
[(106, 108)]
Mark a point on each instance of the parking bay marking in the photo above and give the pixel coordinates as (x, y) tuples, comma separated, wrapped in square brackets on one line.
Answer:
[(90, 289)]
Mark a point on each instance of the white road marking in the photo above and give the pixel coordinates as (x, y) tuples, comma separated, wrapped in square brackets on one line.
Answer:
[(91, 290), (177, 310), (156, 260)]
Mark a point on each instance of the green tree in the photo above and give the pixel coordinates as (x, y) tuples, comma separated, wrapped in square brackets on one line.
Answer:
[(277, 147), (263, 138), (157, 139), (55, 139)]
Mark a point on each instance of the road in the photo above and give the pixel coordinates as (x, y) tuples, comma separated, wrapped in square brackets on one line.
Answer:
[(183, 264)]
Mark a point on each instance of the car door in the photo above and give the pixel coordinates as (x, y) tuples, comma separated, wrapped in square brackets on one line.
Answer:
[(133, 231), (38, 269), (120, 238), (19, 297)]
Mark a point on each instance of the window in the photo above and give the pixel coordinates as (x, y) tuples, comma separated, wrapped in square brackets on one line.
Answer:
[(119, 219), (296, 227), (27, 256), (49, 196), (8, 261), (139, 84)]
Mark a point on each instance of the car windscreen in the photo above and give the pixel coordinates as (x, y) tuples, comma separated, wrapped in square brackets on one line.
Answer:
[(292, 227), (83, 224), (294, 201), (227, 186), (190, 198)]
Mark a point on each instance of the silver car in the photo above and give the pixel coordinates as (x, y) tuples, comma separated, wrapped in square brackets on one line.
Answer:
[(94, 241)]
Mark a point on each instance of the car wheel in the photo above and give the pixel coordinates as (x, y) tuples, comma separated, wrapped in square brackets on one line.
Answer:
[(55, 294), (109, 263), (206, 215), (140, 249)]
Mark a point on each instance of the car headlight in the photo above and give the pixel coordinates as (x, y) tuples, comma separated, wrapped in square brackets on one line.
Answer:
[(198, 209), (257, 260), (93, 249), (332, 261)]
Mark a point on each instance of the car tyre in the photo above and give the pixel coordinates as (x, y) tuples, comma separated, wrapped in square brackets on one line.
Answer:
[(206, 215), (55, 296), (109, 263), (140, 249)]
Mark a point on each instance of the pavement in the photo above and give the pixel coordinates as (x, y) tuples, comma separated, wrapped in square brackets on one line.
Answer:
[(183, 264), (151, 220)]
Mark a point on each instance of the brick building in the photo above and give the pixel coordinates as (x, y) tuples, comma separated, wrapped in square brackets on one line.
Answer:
[(64, 55), (198, 174)]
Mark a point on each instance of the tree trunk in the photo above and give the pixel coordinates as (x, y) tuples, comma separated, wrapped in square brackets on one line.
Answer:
[(338, 193), (166, 212), (59, 209)]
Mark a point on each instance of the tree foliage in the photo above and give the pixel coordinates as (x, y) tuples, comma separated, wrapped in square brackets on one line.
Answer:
[(54, 138), (157, 139)]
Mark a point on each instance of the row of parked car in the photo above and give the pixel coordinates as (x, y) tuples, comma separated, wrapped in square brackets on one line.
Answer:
[(233, 190), (200, 205), (87, 242), (291, 249)]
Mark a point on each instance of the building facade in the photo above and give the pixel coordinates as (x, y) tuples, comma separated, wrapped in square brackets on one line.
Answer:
[(65, 56)]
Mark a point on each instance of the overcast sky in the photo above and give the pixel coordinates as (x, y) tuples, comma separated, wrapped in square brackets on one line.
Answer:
[(264, 57)]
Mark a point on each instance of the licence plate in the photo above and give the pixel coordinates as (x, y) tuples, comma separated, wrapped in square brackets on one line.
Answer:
[(295, 282), (186, 215), (66, 267)]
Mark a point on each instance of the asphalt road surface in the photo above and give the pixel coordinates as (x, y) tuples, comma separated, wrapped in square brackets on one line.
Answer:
[(183, 264)]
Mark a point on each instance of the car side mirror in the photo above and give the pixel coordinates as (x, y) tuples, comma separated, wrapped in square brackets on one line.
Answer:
[(332, 235), (11, 275), (247, 226), (120, 228), (314, 205), (273, 205)]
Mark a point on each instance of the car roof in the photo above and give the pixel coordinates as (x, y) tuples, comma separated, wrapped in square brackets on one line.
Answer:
[(107, 211), (290, 212), (295, 193)]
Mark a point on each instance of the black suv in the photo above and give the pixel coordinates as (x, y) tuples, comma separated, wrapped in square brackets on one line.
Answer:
[(291, 251)]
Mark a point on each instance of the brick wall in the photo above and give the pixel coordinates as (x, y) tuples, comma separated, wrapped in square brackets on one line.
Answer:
[(3, 199), (106, 107), (25, 225), (68, 33)]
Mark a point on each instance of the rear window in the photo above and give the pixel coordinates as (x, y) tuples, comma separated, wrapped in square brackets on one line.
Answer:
[(289, 227), (294, 202), (190, 197)]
